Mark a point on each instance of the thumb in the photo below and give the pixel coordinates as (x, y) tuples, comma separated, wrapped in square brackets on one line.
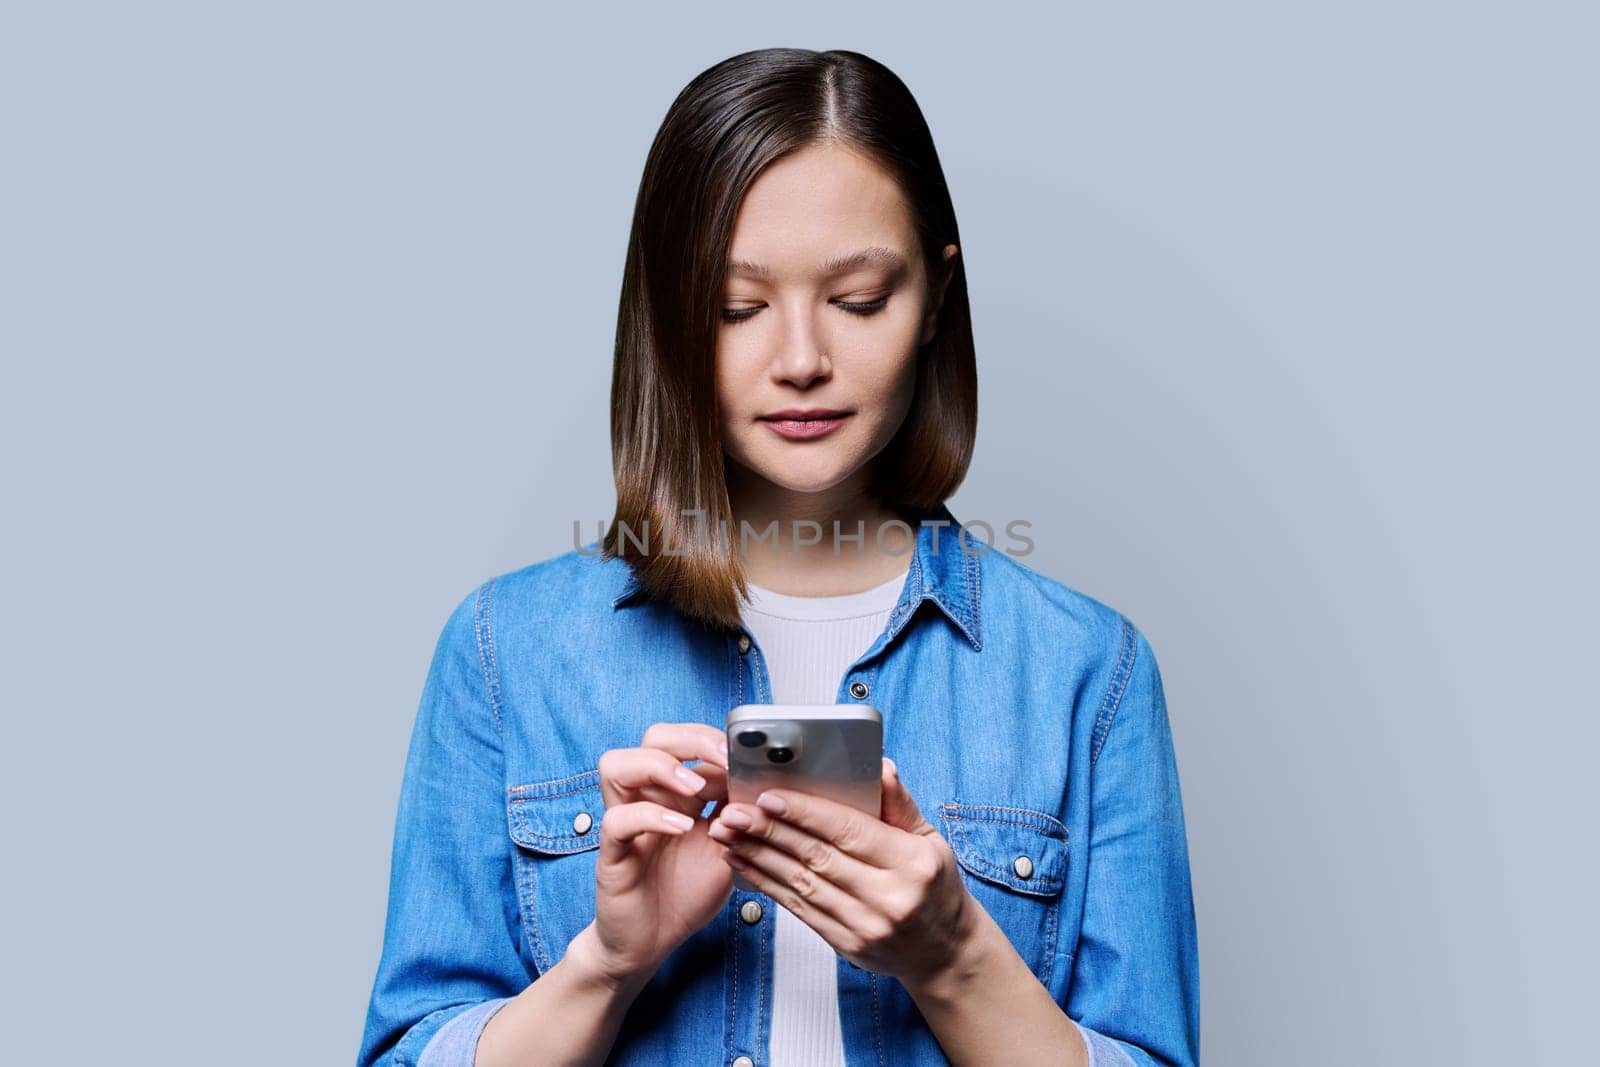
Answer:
[(899, 810)]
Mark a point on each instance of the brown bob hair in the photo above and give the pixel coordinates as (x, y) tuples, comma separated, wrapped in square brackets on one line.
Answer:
[(726, 125)]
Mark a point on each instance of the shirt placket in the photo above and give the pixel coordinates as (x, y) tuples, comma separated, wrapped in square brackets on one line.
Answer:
[(749, 917), (751, 926)]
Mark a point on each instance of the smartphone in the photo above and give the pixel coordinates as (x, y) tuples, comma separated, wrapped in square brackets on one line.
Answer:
[(830, 750)]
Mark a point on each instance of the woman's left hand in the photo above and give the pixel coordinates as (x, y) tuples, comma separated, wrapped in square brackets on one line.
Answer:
[(885, 893)]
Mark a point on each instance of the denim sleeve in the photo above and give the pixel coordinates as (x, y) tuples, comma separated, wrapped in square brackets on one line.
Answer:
[(449, 956), (1135, 987)]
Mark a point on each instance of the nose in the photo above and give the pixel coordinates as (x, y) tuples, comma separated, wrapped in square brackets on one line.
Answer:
[(800, 359)]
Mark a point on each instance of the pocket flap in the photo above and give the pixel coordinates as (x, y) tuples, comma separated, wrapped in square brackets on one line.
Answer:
[(559, 816), (1018, 848)]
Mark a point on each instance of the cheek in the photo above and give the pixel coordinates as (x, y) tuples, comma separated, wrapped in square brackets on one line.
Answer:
[(733, 373), (886, 351), (888, 378), (894, 388)]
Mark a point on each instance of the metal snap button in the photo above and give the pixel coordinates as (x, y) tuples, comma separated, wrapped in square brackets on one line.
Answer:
[(1023, 866), (582, 823), (750, 912), (744, 643), (859, 690), (743, 1061)]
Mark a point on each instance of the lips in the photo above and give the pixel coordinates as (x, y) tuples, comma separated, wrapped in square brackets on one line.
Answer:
[(804, 415), (805, 425)]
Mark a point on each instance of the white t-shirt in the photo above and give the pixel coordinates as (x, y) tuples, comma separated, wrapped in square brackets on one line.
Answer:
[(808, 642)]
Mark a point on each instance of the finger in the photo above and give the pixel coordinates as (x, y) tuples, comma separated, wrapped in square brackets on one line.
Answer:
[(625, 823), (692, 806), (716, 780), (711, 772), (689, 740), (812, 899), (843, 870), (625, 771), (899, 810), (849, 830), (716, 789)]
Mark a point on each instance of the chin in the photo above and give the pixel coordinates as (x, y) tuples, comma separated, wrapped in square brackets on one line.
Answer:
[(796, 482), (804, 478)]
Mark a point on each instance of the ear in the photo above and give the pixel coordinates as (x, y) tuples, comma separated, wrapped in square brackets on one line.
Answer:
[(930, 321)]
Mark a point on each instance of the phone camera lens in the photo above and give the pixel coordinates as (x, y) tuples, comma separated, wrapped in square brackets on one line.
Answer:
[(752, 738), (781, 755)]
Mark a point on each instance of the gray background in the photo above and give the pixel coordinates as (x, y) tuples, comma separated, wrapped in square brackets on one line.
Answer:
[(1287, 340)]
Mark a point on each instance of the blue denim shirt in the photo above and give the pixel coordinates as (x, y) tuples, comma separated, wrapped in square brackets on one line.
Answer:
[(1027, 719)]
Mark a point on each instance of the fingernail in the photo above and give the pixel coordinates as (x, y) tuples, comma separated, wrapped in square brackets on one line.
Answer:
[(678, 819), (737, 819), (768, 802), (688, 777)]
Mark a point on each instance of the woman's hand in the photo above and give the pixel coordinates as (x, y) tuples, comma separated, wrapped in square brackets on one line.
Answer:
[(657, 882), (885, 893)]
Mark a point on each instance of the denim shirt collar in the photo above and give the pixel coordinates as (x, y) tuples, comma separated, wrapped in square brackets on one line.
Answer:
[(941, 570)]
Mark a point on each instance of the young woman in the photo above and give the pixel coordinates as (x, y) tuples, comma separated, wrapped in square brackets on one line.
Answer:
[(794, 399)]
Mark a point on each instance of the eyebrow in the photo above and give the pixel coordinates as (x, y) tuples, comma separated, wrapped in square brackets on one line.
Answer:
[(867, 257)]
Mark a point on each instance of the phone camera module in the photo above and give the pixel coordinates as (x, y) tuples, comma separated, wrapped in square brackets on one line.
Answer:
[(781, 755), (752, 738)]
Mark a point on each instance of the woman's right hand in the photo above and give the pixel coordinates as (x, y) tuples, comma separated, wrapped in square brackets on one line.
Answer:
[(655, 882)]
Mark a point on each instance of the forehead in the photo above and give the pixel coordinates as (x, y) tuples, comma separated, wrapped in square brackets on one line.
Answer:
[(817, 203)]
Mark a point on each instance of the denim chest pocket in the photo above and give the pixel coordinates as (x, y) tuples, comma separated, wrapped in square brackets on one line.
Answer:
[(1014, 861), (555, 825)]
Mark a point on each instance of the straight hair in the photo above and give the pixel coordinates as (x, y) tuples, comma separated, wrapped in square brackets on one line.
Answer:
[(674, 524)]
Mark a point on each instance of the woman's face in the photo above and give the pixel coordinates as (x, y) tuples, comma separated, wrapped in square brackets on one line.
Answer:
[(824, 308)]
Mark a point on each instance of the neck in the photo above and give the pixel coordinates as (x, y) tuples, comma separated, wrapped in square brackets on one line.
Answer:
[(802, 559)]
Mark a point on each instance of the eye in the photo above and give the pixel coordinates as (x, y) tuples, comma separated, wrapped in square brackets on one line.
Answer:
[(865, 309), (736, 315)]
